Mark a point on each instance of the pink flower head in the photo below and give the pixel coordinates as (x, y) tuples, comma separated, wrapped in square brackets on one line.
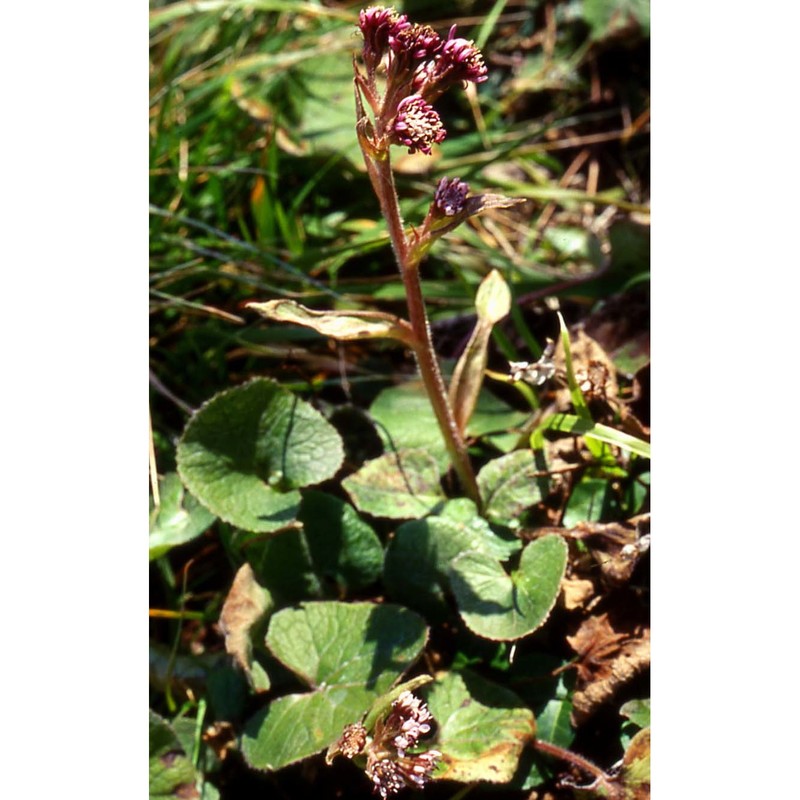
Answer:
[(389, 766), (451, 193), (386, 777), (417, 769), (389, 776), (378, 25), (417, 125), (407, 721), (419, 42), (460, 60)]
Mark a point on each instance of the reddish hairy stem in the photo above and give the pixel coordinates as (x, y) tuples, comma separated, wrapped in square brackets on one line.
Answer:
[(579, 761)]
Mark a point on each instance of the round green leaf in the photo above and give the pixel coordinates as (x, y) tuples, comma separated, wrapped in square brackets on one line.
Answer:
[(334, 643), (398, 485), (481, 728), (506, 607), (351, 653), (246, 450), (511, 484)]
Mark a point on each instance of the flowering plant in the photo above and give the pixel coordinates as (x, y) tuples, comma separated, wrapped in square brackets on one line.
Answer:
[(417, 66), (328, 614), (388, 764), (404, 68)]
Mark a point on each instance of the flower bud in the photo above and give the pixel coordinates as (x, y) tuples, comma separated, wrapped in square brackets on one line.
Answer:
[(378, 25), (450, 196)]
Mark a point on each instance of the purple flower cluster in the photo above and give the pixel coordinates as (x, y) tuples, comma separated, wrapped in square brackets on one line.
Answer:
[(389, 775), (407, 721), (450, 196), (420, 67), (389, 766), (378, 25), (417, 125)]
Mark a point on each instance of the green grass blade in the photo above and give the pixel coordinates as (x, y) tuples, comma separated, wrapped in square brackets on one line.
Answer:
[(569, 423), (581, 409)]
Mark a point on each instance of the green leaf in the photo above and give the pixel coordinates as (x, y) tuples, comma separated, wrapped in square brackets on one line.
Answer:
[(569, 423), (637, 493), (405, 420), (248, 449), (397, 485), (492, 414), (506, 607), (578, 400), (511, 484), (342, 545), (341, 325), (418, 557), (553, 723), (350, 654), (178, 519), (547, 695), (481, 728), (171, 771), (586, 502), (283, 564), (637, 711)]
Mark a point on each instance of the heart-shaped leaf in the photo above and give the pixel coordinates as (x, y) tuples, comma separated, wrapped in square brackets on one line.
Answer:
[(248, 449), (511, 484), (350, 654), (481, 728), (398, 485), (507, 607)]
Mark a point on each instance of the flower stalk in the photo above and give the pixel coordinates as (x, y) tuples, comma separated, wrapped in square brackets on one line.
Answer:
[(419, 66)]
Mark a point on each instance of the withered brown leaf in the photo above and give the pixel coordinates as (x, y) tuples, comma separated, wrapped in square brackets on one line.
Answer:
[(244, 606)]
